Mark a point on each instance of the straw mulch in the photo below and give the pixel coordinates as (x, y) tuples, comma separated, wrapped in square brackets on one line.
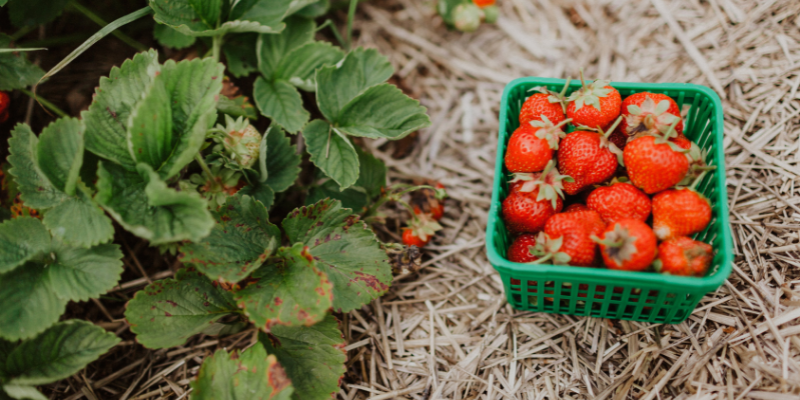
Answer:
[(447, 332)]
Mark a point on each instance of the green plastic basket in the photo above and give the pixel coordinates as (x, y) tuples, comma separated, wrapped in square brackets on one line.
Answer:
[(604, 293)]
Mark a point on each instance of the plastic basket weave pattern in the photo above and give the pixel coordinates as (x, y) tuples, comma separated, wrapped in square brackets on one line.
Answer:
[(604, 293)]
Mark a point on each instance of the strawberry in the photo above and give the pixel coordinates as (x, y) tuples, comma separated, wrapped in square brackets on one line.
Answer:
[(576, 229), (589, 158), (425, 201), (628, 244), (5, 101), (410, 239), (594, 105), (530, 204), (650, 113), (536, 249), (483, 3), (680, 212), (654, 163), (420, 230), (618, 138), (240, 141), (545, 103), (531, 145), (620, 200), (520, 249), (684, 257), (576, 207)]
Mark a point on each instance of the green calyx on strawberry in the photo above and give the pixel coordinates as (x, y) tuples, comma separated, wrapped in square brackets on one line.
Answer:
[(605, 143), (590, 94), (549, 132), (650, 117), (423, 226), (240, 141), (549, 183), (223, 183), (556, 97), (547, 249), (620, 245), (666, 138)]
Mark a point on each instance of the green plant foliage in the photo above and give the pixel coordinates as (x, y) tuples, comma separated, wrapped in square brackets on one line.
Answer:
[(204, 17), (345, 249), (34, 12), (16, 72), (278, 167), (240, 54), (239, 243), (313, 357), (314, 10), (288, 290), (332, 152), (41, 274), (238, 106), (166, 313), (249, 375), (170, 37), (371, 178)]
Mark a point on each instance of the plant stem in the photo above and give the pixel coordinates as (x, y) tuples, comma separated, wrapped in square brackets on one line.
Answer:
[(216, 45), (698, 180), (99, 21), (204, 167), (46, 104), (335, 31), (351, 14)]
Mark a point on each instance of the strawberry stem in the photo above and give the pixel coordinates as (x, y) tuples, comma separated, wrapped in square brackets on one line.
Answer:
[(543, 259), (583, 82), (564, 89), (697, 180), (612, 128), (562, 123)]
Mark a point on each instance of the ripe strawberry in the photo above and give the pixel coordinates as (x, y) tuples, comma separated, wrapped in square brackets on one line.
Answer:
[(484, 3), (520, 249), (425, 201), (545, 103), (576, 229), (531, 145), (680, 212), (628, 244), (684, 257), (536, 249), (589, 158), (655, 164), (620, 200), (650, 113), (576, 207), (5, 101), (420, 230), (595, 105), (618, 138), (527, 208), (410, 239)]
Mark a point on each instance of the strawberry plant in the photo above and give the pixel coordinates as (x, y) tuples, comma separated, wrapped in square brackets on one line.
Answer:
[(165, 154)]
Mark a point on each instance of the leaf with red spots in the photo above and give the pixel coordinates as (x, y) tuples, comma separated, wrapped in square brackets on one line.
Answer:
[(345, 249), (239, 243), (249, 375), (313, 357), (167, 312), (288, 290)]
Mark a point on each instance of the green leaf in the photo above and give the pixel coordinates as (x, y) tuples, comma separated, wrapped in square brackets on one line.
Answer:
[(238, 106), (350, 198), (114, 100), (29, 303), (338, 85), (313, 357), (372, 175), (59, 352), (371, 179), (169, 37), (143, 204), (240, 54), (23, 392), (60, 153), (287, 290), (249, 375), (298, 67), (314, 10), (79, 274), (332, 153), (79, 221), (282, 160), (239, 243), (208, 10), (382, 111), (280, 102), (36, 190), (16, 72), (34, 12), (263, 16), (271, 50), (149, 127), (21, 239), (259, 191), (345, 249), (167, 312)]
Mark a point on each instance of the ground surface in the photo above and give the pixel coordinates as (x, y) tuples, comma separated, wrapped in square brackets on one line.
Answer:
[(448, 332)]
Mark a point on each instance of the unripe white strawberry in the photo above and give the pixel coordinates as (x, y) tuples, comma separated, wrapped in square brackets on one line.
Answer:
[(241, 141), (467, 17)]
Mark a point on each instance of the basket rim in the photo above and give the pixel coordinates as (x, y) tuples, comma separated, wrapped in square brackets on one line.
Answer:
[(625, 278)]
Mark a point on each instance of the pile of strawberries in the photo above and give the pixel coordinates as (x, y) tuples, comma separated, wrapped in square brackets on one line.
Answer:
[(625, 160)]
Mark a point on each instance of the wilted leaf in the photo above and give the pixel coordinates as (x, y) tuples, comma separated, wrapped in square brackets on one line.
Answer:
[(313, 357), (249, 375), (287, 290), (239, 243), (332, 153), (168, 312), (345, 249)]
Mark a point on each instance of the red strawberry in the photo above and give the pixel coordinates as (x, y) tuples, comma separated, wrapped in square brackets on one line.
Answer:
[(618, 201), (684, 257), (595, 105), (576, 229), (427, 201), (527, 208), (536, 249), (655, 164), (618, 138), (588, 158), (680, 212), (5, 101), (520, 249), (546, 103), (420, 230), (531, 146), (650, 113), (628, 244), (483, 3), (576, 207), (410, 239)]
